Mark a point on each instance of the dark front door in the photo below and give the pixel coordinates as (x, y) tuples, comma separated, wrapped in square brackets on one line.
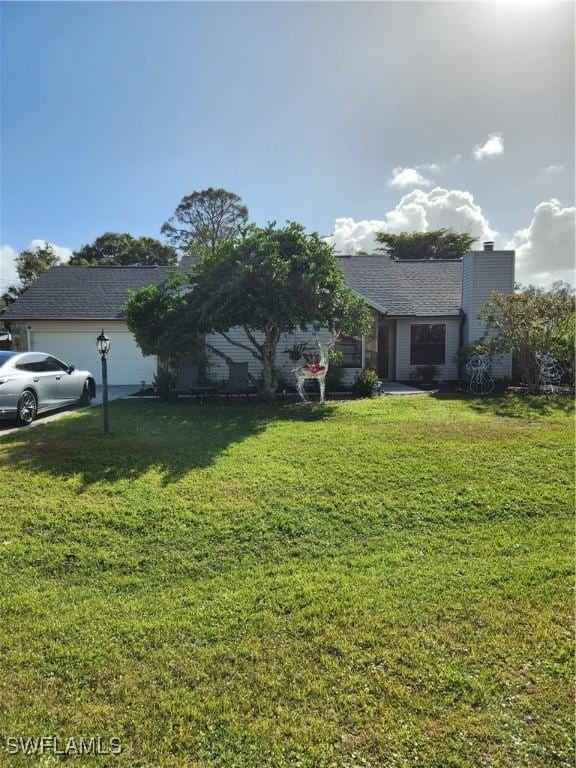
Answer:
[(386, 329)]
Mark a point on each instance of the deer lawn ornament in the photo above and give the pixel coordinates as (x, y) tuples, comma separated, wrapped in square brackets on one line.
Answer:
[(315, 369)]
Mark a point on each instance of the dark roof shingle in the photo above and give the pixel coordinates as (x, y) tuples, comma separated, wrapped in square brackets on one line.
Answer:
[(83, 293), (432, 287), (98, 293)]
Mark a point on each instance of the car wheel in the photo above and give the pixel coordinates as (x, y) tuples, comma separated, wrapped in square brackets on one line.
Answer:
[(85, 396), (27, 408)]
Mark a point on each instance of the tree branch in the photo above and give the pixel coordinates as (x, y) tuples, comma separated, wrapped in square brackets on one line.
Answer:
[(241, 346), (252, 338)]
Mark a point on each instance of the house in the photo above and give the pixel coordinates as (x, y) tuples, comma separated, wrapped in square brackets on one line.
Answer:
[(66, 309), (423, 311)]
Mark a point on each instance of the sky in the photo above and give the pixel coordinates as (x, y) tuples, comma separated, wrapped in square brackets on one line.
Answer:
[(350, 118)]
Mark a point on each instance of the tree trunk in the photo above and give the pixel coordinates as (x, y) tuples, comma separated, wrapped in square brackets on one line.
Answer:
[(269, 373), (528, 368)]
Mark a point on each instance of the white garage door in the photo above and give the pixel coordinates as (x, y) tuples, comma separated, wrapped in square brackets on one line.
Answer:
[(126, 364)]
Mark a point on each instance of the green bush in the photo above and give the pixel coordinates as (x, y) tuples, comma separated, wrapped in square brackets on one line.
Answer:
[(366, 383), (335, 371), (426, 374)]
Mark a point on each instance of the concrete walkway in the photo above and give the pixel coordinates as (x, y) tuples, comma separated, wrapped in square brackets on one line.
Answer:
[(396, 388), (114, 393)]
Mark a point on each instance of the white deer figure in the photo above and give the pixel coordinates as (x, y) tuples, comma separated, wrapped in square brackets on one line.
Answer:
[(317, 369)]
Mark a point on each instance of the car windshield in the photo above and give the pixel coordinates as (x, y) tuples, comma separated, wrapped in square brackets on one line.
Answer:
[(5, 356)]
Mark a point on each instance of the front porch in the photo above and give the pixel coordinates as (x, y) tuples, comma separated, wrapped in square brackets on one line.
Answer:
[(399, 348), (379, 351)]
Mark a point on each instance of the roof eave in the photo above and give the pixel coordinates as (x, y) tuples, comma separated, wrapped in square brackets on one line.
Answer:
[(370, 302)]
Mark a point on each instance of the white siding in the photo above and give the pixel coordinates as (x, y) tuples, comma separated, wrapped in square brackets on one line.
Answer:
[(74, 341), (448, 371), (219, 368), (482, 273)]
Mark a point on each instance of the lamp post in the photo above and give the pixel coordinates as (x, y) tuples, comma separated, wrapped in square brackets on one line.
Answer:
[(103, 345)]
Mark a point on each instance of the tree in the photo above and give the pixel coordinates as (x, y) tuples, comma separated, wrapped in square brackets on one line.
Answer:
[(33, 262), (206, 220), (10, 295), (271, 282), (530, 321), (436, 244), (30, 264), (120, 248)]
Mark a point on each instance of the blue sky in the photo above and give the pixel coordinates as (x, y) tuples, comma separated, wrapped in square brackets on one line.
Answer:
[(113, 111)]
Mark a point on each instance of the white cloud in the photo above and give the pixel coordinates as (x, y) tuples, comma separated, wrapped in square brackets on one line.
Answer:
[(429, 167), (408, 177), (61, 251), (545, 248), (494, 145), (418, 211), (552, 169), (8, 274)]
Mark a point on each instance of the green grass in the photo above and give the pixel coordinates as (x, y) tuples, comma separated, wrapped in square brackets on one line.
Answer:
[(374, 583)]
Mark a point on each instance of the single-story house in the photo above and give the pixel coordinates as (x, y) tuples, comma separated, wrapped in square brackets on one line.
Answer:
[(64, 311), (424, 312)]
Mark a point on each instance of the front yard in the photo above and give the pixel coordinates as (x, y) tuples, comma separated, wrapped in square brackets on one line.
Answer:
[(372, 583)]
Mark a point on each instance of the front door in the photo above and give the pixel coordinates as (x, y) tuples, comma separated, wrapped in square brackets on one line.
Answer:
[(386, 338)]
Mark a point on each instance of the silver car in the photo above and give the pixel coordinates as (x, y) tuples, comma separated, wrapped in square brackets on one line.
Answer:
[(34, 382)]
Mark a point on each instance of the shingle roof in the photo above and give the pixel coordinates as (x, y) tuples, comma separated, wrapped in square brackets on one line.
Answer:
[(432, 287), (83, 293), (94, 293)]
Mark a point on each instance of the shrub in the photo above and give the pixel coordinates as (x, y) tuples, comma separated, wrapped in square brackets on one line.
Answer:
[(334, 375), (426, 374), (366, 383), (531, 321)]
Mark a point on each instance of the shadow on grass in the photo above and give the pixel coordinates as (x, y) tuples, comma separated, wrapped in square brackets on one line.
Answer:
[(513, 406), (175, 437)]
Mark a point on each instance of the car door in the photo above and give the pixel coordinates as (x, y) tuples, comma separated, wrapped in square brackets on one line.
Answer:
[(67, 385), (41, 378)]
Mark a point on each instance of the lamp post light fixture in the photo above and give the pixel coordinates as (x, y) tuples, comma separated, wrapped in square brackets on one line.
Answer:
[(103, 346)]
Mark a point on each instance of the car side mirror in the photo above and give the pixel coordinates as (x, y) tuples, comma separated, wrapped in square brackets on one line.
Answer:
[(71, 369)]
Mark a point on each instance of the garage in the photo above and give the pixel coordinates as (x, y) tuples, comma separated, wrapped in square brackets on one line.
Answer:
[(64, 311), (126, 364)]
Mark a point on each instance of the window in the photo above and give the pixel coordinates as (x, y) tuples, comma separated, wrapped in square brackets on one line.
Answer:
[(351, 349), (31, 362), (427, 344), (52, 364), (34, 367)]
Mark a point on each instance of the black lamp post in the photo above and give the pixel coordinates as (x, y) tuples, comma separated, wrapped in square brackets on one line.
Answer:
[(103, 345)]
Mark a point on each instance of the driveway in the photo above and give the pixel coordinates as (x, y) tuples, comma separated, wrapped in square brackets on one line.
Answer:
[(114, 393)]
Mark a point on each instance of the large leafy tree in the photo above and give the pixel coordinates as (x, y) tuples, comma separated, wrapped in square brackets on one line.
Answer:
[(30, 263), (530, 321), (436, 244), (206, 220), (271, 282), (33, 262), (120, 248)]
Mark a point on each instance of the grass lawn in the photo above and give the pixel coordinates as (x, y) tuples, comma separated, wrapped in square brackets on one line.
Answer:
[(372, 583)]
